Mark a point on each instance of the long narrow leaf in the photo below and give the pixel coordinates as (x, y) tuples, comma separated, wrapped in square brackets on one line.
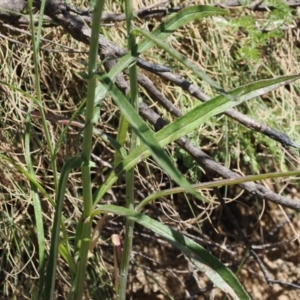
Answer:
[(144, 133), (31, 178), (164, 30), (74, 162), (180, 58), (219, 274), (36, 203), (192, 120), (213, 184)]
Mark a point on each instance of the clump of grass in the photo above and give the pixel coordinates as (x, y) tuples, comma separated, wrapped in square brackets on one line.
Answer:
[(226, 141)]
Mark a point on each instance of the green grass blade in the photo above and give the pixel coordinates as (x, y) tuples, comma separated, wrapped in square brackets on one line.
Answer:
[(181, 58), (36, 39), (201, 113), (170, 25), (65, 253), (165, 29), (74, 162), (121, 137), (31, 178), (213, 184), (192, 120), (78, 284), (132, 97), (219, 274), (146, 136), (36, 204)]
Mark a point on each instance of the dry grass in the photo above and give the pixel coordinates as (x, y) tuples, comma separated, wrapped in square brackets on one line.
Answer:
[(157, 269)]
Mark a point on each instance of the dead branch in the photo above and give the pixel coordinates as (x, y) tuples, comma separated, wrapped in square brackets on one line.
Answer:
[(10, 9)]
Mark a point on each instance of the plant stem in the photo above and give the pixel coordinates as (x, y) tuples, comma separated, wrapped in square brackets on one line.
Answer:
[(133, 98), (86, 152), (36, 43), (36, 201)]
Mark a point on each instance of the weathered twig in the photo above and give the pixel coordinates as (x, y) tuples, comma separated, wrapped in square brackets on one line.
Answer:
[(267, 276), (146, 12), (10, 9), (268, 247)]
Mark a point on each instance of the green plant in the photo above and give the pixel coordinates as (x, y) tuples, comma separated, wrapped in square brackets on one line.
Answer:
[(73, 247), (261, 33)]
